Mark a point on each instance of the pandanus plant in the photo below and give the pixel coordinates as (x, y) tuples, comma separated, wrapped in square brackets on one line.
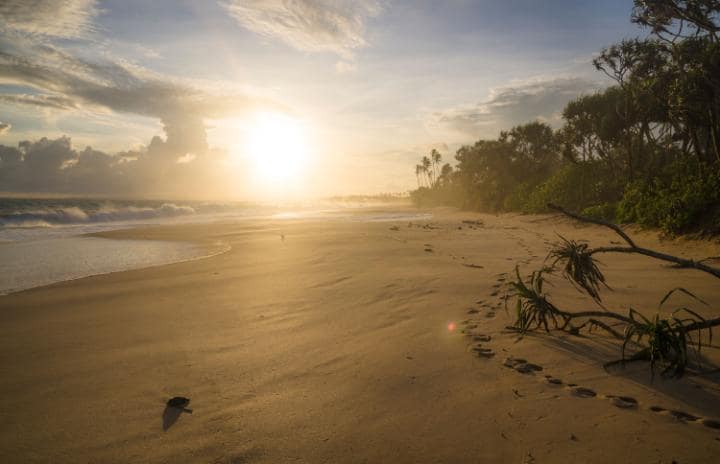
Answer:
[(661, 340)]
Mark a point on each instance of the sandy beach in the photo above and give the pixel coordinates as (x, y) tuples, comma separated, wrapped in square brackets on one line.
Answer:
[(330, 341)]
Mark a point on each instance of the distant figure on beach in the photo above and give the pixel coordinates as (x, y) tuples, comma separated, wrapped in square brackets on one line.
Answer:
[(282, 237)]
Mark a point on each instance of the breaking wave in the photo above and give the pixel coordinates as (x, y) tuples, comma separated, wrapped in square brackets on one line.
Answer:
[(71, 215)]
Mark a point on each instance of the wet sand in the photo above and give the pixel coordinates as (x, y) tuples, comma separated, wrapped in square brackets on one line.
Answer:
[(333, 344)]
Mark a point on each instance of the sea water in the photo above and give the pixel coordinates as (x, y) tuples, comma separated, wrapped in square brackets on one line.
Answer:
[(43, 241), (33, 263)]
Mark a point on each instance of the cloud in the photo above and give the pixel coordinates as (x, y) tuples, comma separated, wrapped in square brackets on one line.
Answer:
[(4, 128), (519, 102), (336, 26), (55, 166), (64, 81), (51, 77), (55, 18), (43, 101)]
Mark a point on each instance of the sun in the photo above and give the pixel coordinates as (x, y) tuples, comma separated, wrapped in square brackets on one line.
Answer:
[(276, 147)]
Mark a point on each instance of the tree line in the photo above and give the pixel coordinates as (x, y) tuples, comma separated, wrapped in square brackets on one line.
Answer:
[(644, 150)]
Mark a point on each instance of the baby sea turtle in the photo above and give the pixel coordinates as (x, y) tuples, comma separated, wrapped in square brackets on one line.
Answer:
[(178, 402)]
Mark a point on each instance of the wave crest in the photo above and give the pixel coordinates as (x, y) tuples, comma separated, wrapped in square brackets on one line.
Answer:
[(48, 217)]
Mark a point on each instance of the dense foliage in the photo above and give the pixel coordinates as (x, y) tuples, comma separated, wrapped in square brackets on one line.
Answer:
[(645, 150)]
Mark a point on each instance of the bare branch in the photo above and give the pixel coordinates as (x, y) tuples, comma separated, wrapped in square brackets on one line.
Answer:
[(599, 222), (682, 262)]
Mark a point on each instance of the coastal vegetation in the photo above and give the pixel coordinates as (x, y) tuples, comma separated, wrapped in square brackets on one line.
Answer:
[(644, 150), (665, 340)]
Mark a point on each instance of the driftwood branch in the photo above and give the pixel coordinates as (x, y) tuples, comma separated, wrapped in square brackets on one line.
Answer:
[(633, 248), (534, 309), (599, 222)]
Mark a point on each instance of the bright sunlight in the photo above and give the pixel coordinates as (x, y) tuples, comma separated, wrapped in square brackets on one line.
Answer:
[(277, 147)]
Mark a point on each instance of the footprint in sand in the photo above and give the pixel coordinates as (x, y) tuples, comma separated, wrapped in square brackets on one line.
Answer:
[(527, 368), (623, 402), (712, 423), (683, 416), (512, 362), (490, 314), (552, 380), (583, 392), (482, 338), (473, 311)]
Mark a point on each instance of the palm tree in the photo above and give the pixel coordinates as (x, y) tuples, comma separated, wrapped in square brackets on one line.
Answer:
[(426, 167), (436, 160), (445, 173)]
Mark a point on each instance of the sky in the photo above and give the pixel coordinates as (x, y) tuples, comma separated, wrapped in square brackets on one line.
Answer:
[(252, 99)]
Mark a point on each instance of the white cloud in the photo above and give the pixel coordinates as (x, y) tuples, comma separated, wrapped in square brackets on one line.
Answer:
[(336, 26), (63, 81), (521, 101), (55, 18)]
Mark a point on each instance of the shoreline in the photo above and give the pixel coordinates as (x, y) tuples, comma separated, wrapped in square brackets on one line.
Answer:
[(332, 345), (208, 250)]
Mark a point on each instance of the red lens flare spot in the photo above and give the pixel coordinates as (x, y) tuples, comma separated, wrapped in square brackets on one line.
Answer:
[(451, 327)]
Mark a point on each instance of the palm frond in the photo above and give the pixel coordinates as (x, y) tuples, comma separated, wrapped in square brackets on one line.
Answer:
[(579, 266)]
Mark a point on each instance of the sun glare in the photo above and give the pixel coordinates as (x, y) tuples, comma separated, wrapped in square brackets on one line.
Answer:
[(276, 147)]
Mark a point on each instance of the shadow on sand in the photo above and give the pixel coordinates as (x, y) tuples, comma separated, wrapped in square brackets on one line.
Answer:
[(171, 415), (699, 388)]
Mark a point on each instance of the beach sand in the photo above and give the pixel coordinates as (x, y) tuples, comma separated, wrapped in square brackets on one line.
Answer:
[(333, 345)]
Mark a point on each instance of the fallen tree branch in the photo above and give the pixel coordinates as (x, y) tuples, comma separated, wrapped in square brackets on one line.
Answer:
[(664, 339), (633, 248), (599, 222)]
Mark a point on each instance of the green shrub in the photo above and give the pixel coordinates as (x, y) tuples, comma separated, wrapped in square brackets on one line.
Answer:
[(604, 211), (685, 198), (517, 200), (576, 186)]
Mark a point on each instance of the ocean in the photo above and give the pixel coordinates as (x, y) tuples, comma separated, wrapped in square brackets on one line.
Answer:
[(43, 241)]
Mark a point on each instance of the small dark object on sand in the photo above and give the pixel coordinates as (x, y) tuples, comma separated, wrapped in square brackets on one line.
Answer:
[(178, 402)]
